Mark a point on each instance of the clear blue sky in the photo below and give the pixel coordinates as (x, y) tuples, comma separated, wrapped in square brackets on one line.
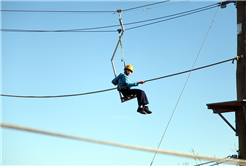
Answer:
[(35, 63)]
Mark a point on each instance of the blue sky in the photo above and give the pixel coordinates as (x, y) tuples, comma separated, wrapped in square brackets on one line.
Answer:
[(49, 63)]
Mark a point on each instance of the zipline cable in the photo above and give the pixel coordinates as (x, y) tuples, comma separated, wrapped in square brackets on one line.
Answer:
[(185, 85), (212, 5), (87, 29), (81, 11), (173, 16), (99, 5), (174, 3), (55, 11), (144, 6), (80, 94), (181, 154), (22, 30), (191, 70)]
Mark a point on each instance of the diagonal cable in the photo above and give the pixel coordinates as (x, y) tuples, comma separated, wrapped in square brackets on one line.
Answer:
[(184, 86)]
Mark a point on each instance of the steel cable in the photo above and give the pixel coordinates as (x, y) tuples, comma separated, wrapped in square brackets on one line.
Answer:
[(144, 6), (173, 16), (81, 11), (170, 18), (100, 91), (184, 86)]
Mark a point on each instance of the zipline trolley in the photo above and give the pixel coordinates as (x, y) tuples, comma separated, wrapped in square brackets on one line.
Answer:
[(121, 32)]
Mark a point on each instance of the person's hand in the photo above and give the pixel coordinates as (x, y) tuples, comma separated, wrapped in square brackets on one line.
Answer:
[(141, 82)]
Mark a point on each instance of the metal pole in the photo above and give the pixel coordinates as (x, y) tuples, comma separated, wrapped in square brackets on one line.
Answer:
[(122, 32)]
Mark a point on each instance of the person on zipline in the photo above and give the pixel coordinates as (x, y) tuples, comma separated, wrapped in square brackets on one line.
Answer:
[(124, 86)]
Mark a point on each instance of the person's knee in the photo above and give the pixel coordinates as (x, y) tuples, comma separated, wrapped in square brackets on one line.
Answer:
[(142, 92)]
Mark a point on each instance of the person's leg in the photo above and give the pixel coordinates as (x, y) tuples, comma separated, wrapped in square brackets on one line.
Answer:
[(141, 98), (126, 92)]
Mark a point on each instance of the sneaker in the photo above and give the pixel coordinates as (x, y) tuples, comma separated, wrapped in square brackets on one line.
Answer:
[(141, 110), (146, 109)]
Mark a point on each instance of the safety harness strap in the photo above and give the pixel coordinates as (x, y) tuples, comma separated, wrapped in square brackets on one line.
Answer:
[(123, 58)]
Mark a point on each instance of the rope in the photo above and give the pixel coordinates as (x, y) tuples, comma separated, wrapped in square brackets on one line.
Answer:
[(184, 86), (181, 154), (123, 58), (80, 94), (191, 70)]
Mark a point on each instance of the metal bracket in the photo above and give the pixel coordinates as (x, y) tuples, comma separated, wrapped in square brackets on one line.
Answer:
[(236, 122), (233, 1), (244, 112), (226, 120), (223, 4), (121, 32), (238, 57), (234, 156)]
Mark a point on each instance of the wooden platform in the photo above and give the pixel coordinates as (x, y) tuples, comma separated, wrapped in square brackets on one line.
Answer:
[(229, 106), (124, 99)]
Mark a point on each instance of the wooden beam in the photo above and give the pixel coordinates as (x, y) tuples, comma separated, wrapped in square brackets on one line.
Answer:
[(241, 75)]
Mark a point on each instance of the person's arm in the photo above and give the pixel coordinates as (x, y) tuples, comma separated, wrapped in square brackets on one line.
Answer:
[(115, 80), (141, 82), (128, 83)]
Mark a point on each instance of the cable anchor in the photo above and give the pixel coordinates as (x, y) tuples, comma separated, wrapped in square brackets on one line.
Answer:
[(224, 4), (238, 57), (119, 11)]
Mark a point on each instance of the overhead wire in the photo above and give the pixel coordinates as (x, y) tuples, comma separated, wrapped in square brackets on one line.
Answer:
[(133, 8), (100, 91), (178, 16), (180, 154), (80, 11), (185, 85), (211, 162), (212, 5), (153, 7), (1, 79), (190, 70), (21, 30), (99, 5), (173, 16), (57, 11), (219, 162), (174, 3)]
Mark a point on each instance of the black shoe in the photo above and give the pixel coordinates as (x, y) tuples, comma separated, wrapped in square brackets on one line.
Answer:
[(141, 110), (146, 109)]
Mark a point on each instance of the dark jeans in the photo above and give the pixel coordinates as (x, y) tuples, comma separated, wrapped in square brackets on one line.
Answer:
[(141, 96)]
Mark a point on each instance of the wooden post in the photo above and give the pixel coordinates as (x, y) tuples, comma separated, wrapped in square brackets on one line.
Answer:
[(241, 75)]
